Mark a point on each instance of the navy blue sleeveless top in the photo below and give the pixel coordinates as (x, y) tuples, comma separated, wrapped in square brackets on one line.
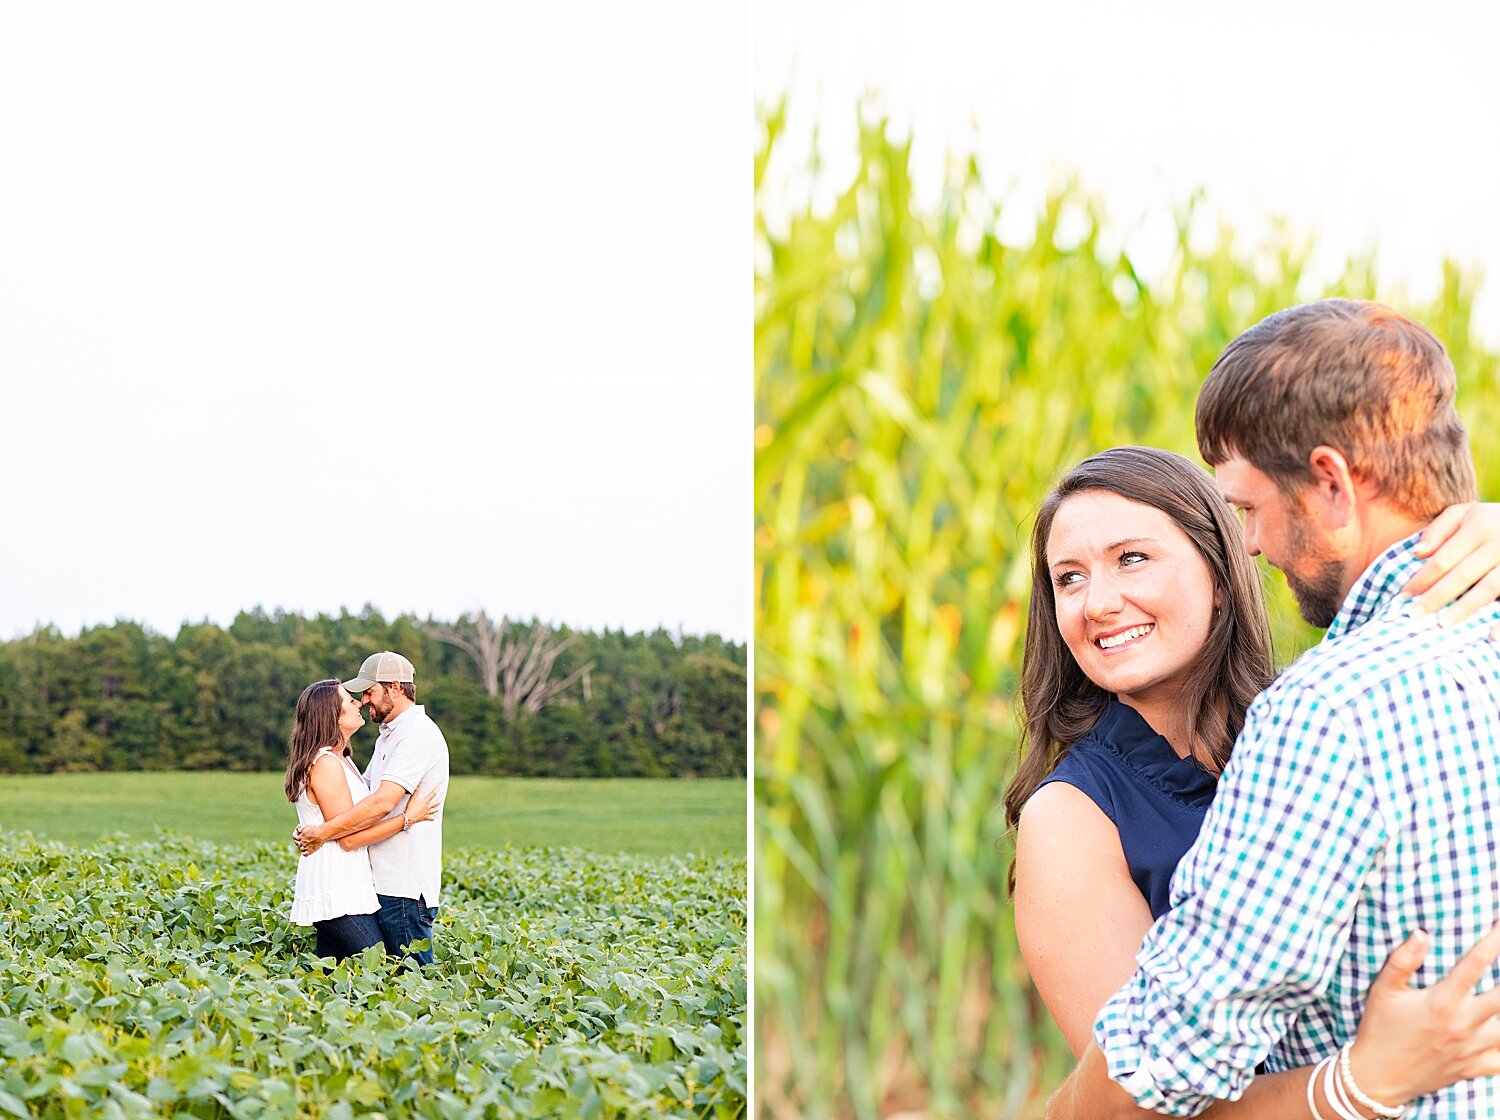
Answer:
[(1155, 799)]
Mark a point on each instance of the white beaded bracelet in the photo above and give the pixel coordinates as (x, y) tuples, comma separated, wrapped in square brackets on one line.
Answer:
[(1384, 1111)]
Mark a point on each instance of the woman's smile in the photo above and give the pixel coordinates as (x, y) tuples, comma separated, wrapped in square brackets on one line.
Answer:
[(1122, 639)]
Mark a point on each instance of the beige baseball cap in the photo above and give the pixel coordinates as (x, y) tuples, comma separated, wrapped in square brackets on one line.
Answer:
[(382, 668)]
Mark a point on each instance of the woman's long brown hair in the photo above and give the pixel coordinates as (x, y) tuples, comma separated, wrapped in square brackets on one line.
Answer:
[(1059, 704), (316, 727)]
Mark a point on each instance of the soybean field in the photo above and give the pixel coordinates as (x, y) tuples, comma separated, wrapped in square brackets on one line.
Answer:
[(161, 977)]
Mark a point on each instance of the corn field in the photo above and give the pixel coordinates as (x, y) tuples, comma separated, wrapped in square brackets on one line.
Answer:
[(919, 384)]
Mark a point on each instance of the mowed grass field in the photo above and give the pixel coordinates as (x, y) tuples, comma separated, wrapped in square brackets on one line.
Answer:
[(637, 816)]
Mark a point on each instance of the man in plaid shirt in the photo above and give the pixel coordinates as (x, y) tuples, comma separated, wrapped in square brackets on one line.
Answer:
[(1362, 801)]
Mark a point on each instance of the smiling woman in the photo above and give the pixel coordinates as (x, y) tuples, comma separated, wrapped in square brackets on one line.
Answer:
[(1135, 611), (1148, 640), (1134, 537)]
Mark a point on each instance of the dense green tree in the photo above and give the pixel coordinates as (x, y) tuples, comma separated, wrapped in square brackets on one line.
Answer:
[(121, 697)]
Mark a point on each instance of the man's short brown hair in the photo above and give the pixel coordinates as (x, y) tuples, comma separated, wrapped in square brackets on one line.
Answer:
[(1351, 375)]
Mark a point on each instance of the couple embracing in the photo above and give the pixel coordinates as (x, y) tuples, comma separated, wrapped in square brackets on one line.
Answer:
[(1244, 894), (372, 844)]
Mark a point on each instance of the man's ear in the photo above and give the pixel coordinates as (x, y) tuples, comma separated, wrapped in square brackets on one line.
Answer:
[(1337, 488)]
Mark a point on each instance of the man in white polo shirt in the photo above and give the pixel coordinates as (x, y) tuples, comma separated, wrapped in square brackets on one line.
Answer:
[(410, 752)]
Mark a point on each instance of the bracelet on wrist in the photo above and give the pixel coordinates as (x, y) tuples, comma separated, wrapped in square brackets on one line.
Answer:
[(1334, 1093), (1312, 1081), (1364, 1100)]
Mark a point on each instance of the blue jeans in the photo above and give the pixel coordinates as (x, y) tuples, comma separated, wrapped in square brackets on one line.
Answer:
[(343, 937), (404, 920)]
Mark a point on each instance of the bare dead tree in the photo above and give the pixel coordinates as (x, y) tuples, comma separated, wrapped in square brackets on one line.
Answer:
[(526, 671), (481, 640), (514, 665)]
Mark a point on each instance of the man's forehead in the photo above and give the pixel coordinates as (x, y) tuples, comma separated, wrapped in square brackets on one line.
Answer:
[(1238, 480)]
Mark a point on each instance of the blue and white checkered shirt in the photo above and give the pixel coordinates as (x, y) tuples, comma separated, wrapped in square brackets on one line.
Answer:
[(1362, 802)]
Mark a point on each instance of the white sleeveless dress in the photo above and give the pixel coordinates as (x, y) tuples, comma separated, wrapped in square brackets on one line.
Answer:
[(332, 882)]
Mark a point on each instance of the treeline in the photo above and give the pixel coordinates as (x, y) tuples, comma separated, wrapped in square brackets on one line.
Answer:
[(122, 697)]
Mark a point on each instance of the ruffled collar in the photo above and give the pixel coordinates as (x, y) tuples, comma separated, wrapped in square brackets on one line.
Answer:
[(1121, 729)]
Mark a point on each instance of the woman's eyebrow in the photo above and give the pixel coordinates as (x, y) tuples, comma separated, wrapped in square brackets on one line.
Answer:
[(1107, 548)]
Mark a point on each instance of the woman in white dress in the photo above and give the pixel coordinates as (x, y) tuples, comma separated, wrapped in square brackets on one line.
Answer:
[(335, 893)]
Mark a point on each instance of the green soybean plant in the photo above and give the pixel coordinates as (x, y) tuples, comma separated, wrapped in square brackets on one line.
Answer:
[(162, 978)]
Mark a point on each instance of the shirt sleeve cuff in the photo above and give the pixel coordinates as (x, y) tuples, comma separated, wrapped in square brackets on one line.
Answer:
[(1144, 1085), (1161, 1057)]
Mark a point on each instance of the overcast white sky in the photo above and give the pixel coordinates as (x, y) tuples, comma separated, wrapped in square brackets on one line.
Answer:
[(1369, 124), (441, 307), (437, 307)]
